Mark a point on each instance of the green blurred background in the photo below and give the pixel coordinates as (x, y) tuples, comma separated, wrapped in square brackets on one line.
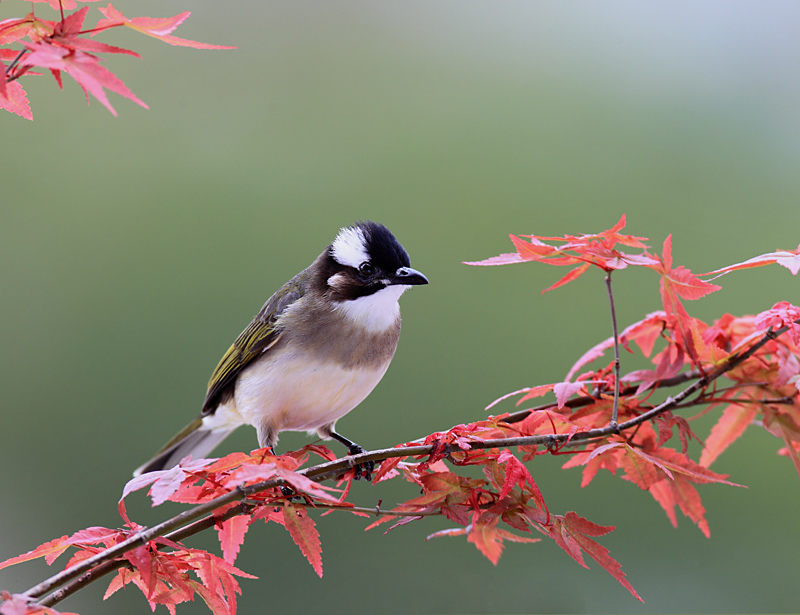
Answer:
[(134, 250)]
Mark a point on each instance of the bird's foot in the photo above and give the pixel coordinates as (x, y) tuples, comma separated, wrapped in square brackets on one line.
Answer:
[(365, 469)]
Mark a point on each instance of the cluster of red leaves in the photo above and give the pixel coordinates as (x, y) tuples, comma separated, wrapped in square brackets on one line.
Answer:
[(64, 45), (163, 576), (169, 573), (764, 389), (758, 356), (506, 495)]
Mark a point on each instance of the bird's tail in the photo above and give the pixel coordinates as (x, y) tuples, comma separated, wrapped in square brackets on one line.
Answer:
[(195, 439)]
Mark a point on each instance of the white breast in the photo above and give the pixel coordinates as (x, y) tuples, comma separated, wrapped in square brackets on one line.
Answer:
[(288, 393)]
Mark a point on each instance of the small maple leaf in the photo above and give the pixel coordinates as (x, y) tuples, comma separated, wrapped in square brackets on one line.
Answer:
[(231, 536), (572, 533), (594, 463), (666, 368), (15, 29), (49, 550), (565, 390), (483, 533), (308, 486), (782, 314), (83, 67), (500, 259), (731, 424), (165, 482), (644, 332), (570, 277), (518, 475), (160, 28), (67, 33), (679, 492), (595, 352), (13, 98), (677, 283), (790, 259), (530, 392), (304, 533), (597, 250)]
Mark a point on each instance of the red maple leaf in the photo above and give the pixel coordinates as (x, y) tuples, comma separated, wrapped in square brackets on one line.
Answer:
[(565, 390), (517, 474), (572, 533), (782, 314), (731, 424), (67, 33), (785, 258), (83, 67), (304, 533), (595, 352), (15, 29), (49, 550), (592, 464), (160, 28), (231, 536), (677, 283), (571, 276), (666, 368), (644, 332), (584, 251), (308, 486), (484, 535), (165, 482), (680, 492), (500, 259), (13, 98)]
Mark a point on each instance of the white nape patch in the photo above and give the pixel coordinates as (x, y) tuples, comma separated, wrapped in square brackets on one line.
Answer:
[(349, 247), (376, 312)]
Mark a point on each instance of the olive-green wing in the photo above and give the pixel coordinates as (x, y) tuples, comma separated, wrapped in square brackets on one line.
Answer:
[(259, 336)]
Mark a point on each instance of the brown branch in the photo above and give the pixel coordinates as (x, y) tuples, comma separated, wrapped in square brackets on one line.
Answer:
[(198, 526), (199, 518)]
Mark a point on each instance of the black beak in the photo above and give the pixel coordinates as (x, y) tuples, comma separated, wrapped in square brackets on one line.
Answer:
[(408, 276)]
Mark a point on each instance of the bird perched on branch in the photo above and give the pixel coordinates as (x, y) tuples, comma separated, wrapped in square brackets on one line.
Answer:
[(313, 353)]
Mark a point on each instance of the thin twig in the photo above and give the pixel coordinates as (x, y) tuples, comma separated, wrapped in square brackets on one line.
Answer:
[(587, 400), (615, 409), (14, 62)]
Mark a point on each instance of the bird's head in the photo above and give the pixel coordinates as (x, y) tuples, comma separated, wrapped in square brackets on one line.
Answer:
[(366, 270)]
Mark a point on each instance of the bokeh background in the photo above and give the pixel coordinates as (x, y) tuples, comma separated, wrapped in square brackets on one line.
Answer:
[(134, 250)]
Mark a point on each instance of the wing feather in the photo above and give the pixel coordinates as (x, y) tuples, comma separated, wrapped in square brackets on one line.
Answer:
[(259, 336)]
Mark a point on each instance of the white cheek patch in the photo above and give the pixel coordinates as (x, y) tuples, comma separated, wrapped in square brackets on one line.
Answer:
[(349, 248), (336, 280)]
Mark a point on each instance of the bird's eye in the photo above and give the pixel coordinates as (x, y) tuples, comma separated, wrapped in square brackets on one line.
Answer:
[(366, 268)]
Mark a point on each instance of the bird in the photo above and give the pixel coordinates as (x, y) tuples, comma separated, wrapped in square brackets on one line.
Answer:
[(315, 350)]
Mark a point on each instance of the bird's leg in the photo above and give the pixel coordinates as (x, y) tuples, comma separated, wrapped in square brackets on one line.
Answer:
[(268, 439), (362, 469)]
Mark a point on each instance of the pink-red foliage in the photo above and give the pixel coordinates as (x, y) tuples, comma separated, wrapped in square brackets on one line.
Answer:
[(65, 46), (750, 370)]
